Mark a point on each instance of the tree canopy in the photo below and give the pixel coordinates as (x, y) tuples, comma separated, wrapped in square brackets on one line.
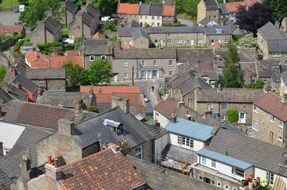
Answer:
[(106, 7), (37, 9), (255, 17), (99, 72), (279, 9), (232, 75)]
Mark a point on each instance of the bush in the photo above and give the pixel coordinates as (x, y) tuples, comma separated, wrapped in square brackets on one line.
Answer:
[(92, 108), (110, 26), (259, 84), (232, 115), (65, 33)]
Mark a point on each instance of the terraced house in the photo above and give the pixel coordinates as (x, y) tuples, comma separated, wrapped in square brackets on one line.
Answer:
[(153, 14)]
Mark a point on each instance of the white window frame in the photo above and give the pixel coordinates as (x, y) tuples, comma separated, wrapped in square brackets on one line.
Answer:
[(280, 139), (270, 177), (126, 75), (170, 73), (209, 105), (272, 118), (254, 125), (170, 63), (126, 64), (255, 109), (185, 141), (103, 57), (281, 124), (180, 41), (92, 58), (139, 152), (203, 160), (154, 63), (213, 163), (142, 63)]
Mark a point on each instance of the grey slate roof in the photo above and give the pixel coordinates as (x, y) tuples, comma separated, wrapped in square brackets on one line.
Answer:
[(270, 32), (235, 95), (89, 131), (52, 26), (220, 30), (5, 181), (156, 9), (16, 93), (67, 99), (46, 73), (211, 4), (260, 154), (71, 7), (144, 9), (277, 46), (144, 54), (87, 19), (25, 145), (192, 84), (92, 11), (158, 177), (223, 9), (139, 33), (175, 82), (133, 24), (4, 96), (97, 47), (25, 82)]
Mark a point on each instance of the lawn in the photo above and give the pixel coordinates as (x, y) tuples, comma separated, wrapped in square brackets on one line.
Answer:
[(9, 3)]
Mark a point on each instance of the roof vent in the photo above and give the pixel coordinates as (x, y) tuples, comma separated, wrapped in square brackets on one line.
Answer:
[(118, 127)]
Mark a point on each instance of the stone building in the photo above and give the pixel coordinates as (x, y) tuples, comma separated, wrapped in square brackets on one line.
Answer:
[(81, 22), (272, 43), (208, 9), (48, 30), (269, 119), (143, 63), (48, 79)]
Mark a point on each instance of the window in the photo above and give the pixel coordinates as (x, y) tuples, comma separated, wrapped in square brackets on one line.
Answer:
[(218, 184), (200, 41), (254, 125), (158, 17), (255, 109), (41, 81), (213, 163), (209, 105), (103, 57), (180, 41), (280, 139), (152, 17), (145, 17), (169, 73), (126, 63), (223, 105), (281, 124), (126, 75), (181, 140), (270, 178), (154, 63), (234, 188), (168, 41), (272, 118), (212, 182), (142, 62), (238, 172), (203, 160), (92, 58), (139, 152), (226, 187), (170, 63)]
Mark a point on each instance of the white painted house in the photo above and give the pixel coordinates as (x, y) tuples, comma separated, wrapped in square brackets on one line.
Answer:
[(9, 134), (232, 157)]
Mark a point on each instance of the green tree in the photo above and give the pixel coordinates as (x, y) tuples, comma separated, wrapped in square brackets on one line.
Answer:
[(37, 9), (92, 108), (106, 7), (259, 84), (279, 9), (100, 71), (24, 2), (2, 73), (110, 26), (232, 75), (74, 73), (232, 115)]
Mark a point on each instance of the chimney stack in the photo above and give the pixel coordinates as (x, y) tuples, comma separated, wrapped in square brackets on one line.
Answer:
[(1, 149), (14, 70), (122, 102), (66, 127), (173, 117), (25, 168), (52, 169)]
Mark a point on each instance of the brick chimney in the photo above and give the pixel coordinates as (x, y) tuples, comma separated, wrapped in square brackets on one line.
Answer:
[(14, 70), (122, 102), (66, 127), (1, 149), (52, 169), (173, 118)]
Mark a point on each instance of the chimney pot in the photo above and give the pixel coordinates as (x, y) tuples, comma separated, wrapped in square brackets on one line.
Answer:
[(49, 159), (56, 163), (173, 117)]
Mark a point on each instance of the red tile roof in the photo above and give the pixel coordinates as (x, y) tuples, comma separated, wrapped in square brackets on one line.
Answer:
[(272, 104), (98, 36), (127, 46), (135, 100), (168, 10), (72, 53), (10, 29), (37, 60), (166, 107), (127, 8), (111, 89), (249, 3), (215, 45), (234, 6), (102, 170)]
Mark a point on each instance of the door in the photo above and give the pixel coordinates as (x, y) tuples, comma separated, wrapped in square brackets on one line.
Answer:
[(149, 74), (271, 137), (242, 117)]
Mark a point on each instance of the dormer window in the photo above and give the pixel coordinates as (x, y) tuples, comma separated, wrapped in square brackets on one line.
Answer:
[(117, 127), (218, 31)]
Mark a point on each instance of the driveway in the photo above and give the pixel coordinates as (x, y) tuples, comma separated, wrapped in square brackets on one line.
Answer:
[(9, 18)]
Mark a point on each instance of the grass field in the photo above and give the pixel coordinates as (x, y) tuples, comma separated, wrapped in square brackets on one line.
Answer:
[(9, 3)]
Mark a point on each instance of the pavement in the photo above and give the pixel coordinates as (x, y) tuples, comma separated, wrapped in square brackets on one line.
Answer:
[(9, 18)]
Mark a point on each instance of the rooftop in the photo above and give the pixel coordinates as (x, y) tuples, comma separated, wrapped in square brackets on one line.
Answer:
[(273, 104), (110, 89), (144, 53), (102, 170), (270, 32), (233, 7), (224, 159), (46, 73), (10, 29), (190, 129), (127, 8)]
